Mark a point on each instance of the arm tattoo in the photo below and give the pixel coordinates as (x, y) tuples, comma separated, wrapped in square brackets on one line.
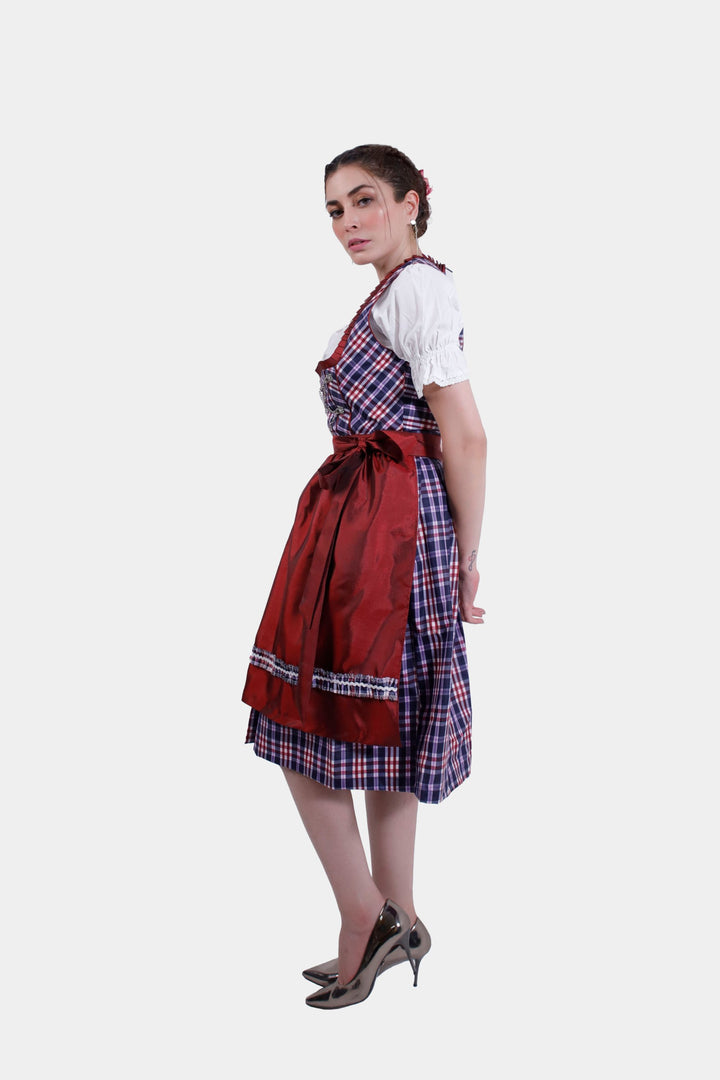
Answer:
[(472, 560)]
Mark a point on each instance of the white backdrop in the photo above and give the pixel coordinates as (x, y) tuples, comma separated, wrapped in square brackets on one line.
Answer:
[(169, 280)]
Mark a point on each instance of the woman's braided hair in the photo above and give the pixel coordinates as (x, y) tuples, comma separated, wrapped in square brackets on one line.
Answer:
[(392, 166)]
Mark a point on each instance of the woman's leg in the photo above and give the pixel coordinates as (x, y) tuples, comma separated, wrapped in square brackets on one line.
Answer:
[(329, 818), (391, 819)]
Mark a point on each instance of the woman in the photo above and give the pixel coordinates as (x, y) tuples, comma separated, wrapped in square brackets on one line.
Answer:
[(358, 676)]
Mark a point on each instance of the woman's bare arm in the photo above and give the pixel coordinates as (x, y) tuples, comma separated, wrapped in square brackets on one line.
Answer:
[(464, 453)]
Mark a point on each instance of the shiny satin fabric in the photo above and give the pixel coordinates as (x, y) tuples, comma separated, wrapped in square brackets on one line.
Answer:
[(339, 603)]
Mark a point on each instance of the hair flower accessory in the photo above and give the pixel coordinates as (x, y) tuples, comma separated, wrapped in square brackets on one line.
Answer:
[(428, 189)]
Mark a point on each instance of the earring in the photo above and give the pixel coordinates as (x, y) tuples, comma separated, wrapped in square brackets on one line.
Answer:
[(413, 226)]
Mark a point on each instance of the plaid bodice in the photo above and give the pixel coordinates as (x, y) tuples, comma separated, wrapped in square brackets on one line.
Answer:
[(364, 386)]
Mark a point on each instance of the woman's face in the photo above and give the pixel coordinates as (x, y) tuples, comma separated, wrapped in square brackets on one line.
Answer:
[(367, 221)]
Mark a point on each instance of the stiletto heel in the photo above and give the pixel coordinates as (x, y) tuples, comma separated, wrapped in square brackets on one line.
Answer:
[(391, 928), (415, 965), (418, 945), (412, 958)]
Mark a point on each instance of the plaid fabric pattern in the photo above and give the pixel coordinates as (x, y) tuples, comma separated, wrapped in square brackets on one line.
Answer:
[(369, 388)]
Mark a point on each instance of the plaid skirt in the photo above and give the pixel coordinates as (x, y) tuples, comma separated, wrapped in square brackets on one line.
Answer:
[(433, 692)]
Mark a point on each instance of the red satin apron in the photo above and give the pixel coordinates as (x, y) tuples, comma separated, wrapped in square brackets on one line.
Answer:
[(328, 652)]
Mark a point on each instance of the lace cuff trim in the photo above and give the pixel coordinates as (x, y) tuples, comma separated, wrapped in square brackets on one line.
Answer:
[(444, 366)]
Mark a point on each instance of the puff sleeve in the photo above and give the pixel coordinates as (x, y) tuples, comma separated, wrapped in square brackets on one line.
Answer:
[(419, 318)]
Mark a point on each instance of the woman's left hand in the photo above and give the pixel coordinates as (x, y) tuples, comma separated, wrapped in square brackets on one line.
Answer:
[(468, 587)]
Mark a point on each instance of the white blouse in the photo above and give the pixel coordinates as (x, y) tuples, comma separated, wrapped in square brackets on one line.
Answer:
[(418, 317)]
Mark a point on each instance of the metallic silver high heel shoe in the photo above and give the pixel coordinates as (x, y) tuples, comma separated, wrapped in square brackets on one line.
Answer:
[(391, 928), (419, 942)]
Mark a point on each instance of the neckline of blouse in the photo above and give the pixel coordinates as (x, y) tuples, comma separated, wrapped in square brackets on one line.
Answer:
[(338, 350)]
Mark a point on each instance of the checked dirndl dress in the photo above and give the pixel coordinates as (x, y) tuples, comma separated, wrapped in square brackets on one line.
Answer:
[(368, 393)]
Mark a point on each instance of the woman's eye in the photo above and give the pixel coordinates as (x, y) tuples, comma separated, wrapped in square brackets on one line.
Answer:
[(365, 199), (335, 213)]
